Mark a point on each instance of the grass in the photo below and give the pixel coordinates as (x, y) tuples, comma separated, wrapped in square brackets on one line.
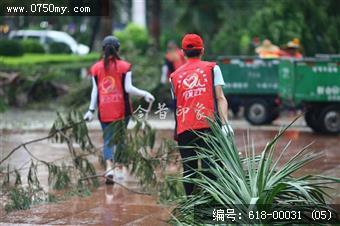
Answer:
[(31, 59)]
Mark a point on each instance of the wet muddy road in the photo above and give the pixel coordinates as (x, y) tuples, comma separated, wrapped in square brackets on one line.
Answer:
[(114, 205)]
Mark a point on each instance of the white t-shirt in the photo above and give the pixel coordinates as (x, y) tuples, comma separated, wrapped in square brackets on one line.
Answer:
[(218, 78)]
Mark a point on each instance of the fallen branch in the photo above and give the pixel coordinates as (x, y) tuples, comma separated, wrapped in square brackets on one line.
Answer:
[(38, 140)]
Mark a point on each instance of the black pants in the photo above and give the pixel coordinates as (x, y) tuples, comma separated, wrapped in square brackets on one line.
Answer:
[(190, 138)]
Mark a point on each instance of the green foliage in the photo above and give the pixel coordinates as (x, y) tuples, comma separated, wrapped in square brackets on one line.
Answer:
[(235, 44), (168, 35), (17, 178), (86, 170), (32, 177), (81, 190), (133, 37), (3, 105), (284, 20), (34, 59), (69, 128), (254, 180), (78, 98), (6, 180), (171, 189), (58, 176), (32, 46), (146, 68), (20, 200), (228, 26), (11, 48), (59, 48), (83, 37), (196, 16), (233, 37)]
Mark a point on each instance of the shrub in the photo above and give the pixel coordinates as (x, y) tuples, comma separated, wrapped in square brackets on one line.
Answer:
[(32, 46), (35, 59), (83, 37), (10, 48), (59, 47), (166, 36), (133, 36), (3, 105)]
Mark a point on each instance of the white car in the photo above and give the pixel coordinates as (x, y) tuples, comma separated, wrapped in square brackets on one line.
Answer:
[(46, 37)]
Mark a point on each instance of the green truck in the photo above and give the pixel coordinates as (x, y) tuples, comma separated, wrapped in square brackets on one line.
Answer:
[(314, 85), (252, 83), (263, 86)]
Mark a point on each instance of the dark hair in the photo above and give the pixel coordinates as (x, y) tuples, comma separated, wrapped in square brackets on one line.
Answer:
[(110, 51), (192, 52)]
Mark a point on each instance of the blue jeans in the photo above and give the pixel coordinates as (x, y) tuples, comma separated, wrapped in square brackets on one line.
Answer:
[(108, 136)]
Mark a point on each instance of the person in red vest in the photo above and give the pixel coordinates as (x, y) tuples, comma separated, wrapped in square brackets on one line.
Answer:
[(174, 58), (197, 91), (111, 87)]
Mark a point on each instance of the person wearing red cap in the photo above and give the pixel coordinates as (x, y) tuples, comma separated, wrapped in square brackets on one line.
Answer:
[(197, 91)]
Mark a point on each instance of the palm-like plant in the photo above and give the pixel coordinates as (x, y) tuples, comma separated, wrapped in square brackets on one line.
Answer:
[(254, 182)]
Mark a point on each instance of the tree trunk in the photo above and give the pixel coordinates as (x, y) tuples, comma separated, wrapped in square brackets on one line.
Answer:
[(102, 26), (154, 12), (95, 29)]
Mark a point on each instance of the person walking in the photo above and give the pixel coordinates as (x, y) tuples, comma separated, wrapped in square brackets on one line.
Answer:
[(197, 91), (111, 87)]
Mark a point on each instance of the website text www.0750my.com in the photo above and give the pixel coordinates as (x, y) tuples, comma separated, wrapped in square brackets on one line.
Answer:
[(39, 8)]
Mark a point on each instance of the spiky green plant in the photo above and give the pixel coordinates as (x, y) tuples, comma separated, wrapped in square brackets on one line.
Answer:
[(255, 181)]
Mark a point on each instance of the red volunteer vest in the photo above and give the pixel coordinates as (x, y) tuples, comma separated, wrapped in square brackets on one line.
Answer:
[(113, 101), (193, 87)]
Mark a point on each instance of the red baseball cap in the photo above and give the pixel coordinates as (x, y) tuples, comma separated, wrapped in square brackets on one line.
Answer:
[(192, 41)]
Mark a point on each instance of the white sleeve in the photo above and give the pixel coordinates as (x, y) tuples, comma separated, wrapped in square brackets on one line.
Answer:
[(218, 78), (130, 89), (94, 95), (164, 74)]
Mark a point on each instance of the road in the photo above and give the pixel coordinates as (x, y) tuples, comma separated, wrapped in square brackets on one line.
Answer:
[(113, 205)]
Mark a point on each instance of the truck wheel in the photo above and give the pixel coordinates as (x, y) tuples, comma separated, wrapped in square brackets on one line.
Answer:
[(312, 120), (330, 119), (257, 112)]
